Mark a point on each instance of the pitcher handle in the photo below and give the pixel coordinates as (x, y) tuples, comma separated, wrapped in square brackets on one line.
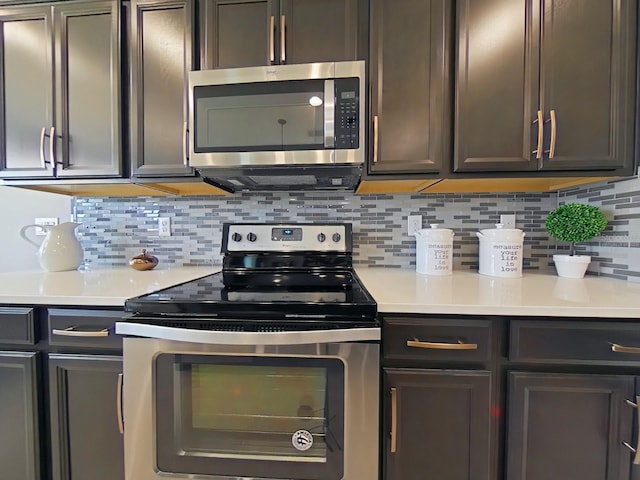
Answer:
[(24, 236)]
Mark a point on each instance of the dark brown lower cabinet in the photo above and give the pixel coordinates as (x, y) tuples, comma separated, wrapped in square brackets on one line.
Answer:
[(437, 424), (569, 426), (85, 439), (19, 419)]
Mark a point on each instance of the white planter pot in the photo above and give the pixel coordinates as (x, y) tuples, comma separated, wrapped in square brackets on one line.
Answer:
[(571, 266)]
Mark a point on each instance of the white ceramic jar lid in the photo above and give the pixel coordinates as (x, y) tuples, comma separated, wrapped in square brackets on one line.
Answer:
[(435, 233), (502, 234)]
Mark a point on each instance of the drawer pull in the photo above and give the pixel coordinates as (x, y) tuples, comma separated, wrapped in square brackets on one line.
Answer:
[(443, 346), (622, 349), (394, 420), (119, 404), (72, 332)]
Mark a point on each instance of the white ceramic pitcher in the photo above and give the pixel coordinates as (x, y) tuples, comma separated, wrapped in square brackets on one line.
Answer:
[(60, 250)]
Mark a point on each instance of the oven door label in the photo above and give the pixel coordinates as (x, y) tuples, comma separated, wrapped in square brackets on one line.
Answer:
[(302, 440)]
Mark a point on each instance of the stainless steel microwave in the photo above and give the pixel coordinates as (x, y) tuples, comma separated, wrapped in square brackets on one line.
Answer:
[(302, 124)]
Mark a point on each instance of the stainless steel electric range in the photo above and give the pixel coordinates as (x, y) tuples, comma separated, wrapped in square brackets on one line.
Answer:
[(266, 370)]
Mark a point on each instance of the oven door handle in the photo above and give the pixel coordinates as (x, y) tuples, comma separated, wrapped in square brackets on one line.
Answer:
[(214, 337)]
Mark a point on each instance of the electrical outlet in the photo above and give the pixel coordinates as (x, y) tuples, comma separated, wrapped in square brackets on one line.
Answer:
[(44, 221), (508, 220), (164, 226), (414, 222)]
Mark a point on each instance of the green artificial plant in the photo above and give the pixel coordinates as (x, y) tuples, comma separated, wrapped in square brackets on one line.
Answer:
[(575, 222)]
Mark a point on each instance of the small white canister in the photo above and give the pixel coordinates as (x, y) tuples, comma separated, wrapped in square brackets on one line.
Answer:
[(434, 251), (501, 251)]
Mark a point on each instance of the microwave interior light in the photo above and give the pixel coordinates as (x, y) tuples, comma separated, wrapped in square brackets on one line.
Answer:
[(315, 101)]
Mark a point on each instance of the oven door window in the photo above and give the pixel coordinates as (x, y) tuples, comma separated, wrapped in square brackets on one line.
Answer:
[(250, 416), (254, 117)]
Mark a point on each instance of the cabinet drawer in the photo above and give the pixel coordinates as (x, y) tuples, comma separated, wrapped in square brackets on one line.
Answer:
[(436, 339), (574, 342), (17, 326), (84, 328)]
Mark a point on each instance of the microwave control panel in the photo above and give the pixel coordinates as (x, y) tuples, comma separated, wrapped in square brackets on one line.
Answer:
[(347, 113)]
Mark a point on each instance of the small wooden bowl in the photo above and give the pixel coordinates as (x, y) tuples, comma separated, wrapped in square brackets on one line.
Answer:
[(144, 261)]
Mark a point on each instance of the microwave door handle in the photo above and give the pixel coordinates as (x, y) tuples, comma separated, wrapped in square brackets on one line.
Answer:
[(329, 114)]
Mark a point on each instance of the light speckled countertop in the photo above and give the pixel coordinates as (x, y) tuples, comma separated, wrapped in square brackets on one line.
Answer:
[(469, 293), (395, 291), (89, 287)]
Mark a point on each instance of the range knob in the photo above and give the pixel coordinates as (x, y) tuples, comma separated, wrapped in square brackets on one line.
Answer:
[(321, 237), (336, 237), (236, 237), (251, 237)]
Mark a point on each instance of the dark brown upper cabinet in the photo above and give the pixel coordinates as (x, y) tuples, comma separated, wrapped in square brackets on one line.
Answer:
[(410, 51), (544, 85), (60, 90), (246, 33), (161, 56)]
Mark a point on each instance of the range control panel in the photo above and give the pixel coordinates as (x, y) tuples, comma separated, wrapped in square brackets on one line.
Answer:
[(268, 237)]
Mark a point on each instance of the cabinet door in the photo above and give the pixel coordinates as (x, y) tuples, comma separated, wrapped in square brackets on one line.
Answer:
[(239, 33), (568, 426), (20, 438), (410, 85), (161, 58), (87, 134), (26, 90), (588, 81), (85, 439), (437, 424), (497, 85), (319, 30)]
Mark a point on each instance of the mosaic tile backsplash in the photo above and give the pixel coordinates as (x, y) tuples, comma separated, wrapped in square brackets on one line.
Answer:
[(116, 229)]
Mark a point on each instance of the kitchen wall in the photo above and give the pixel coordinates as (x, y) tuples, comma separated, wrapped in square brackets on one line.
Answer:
[(116, 229), (617, 252), (19, 208)]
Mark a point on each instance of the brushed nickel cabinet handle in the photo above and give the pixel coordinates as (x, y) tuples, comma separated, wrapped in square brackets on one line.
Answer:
[(283, 54), (72, 332), (622, 349), (630, 447), (636, 449), (552, 147), (375, 139), (119, 404), (52, 147), (185, 144), (442, 346), (394, 420), (636, 458), (272, 34), (540, 122), (43, 134)]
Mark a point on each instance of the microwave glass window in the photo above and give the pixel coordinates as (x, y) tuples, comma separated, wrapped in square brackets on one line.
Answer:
[(270, 116), (220, 412)]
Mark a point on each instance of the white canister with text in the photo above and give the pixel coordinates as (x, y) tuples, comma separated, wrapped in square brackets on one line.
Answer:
[(434, 251), (501, 251)]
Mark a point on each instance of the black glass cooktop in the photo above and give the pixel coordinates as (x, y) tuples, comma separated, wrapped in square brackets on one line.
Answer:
[(335, 296)]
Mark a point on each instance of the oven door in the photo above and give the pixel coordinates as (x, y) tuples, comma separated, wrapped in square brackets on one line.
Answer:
[(307, 412)]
